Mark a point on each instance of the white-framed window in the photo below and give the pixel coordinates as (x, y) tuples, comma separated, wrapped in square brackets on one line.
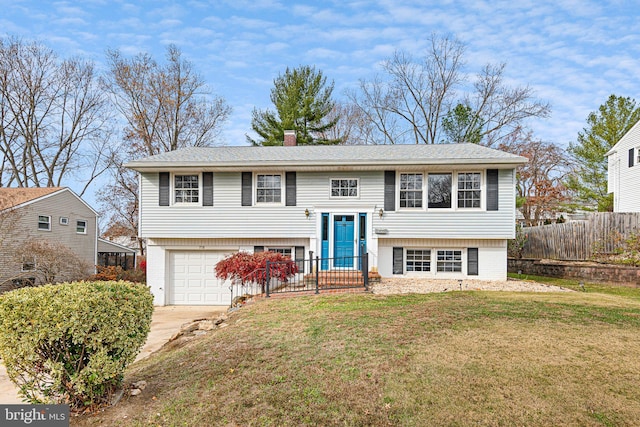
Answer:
[(64, 220), (411, 190), (44, 223), (418, 260), (469, 190), (28, 263), (268, 188), (282, 251), (439, 190), (186, 189), (81, 226), (637, 156), (344, 187), (449, 260)]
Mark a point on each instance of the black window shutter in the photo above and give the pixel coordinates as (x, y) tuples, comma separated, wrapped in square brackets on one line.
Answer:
[(299, 258), (472, 261), (631, 150), (164, 196), (207, 189), (257, 249), (492, 189), (389, 190), (398, 261), (290, 178), (247, 189)]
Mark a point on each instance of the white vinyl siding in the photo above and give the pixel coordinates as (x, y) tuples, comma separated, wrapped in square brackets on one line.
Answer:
[(622, 179), (492, 257), (262, 220), (273, 221), (456, 223)]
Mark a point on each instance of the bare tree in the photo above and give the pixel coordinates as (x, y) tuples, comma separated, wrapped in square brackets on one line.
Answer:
[(351, 127), (540, 189), (409, 102), (53, 117), (51, 261), (119, 205), (165, 107)]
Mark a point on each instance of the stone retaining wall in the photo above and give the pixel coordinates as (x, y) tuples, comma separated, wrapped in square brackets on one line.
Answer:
[(587, 271)]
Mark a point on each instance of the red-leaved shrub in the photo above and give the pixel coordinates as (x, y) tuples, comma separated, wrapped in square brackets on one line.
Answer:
[(252, 268)]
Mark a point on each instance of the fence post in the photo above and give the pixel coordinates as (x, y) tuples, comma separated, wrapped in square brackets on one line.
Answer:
[(310, 261), (317, 275), (268, 279), (365, 270)]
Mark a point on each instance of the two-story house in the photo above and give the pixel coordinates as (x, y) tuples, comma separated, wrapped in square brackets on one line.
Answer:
[(434, 211), (623, 161), (57, 214)]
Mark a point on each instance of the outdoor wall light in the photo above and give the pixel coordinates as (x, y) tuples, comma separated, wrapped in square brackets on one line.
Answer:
[(306, 213), (381, 212)]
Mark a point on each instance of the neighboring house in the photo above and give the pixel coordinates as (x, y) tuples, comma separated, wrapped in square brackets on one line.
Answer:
[(113, 254), (125, 237), (624, 172), (434, 211), (57, 214)]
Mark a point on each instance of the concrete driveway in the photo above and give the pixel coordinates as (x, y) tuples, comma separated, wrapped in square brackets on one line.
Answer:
[(165, 322)]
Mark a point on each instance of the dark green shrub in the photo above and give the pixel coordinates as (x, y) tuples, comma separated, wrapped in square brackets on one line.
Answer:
[(71, 342)]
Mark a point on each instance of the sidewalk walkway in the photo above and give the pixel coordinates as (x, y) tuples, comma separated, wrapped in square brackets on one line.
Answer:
[(165, 322)]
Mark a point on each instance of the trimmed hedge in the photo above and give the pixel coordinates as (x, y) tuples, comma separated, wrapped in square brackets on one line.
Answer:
[(71, 342)]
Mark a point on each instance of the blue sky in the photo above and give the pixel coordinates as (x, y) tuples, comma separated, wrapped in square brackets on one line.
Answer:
[(573, 53)]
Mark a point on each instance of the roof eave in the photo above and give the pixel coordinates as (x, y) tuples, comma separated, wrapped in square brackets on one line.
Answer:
[(162, 166)]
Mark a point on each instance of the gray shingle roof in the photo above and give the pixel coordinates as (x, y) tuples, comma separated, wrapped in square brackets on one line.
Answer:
[(327, 156)]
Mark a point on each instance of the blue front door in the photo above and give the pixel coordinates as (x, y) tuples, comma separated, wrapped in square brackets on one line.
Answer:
[(343, 241)]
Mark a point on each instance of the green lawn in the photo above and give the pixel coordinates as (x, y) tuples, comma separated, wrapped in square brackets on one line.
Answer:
[(583, 285), (457, 358)]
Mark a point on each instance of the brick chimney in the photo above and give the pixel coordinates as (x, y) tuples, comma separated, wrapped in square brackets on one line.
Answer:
[(289, 138)]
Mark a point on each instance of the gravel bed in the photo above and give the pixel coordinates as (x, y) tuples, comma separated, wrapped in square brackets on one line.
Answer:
[(423, 286)]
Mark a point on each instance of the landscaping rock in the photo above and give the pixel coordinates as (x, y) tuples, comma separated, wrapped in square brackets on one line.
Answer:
[(423, 285), (190, 327), (206, 325), (198, 328), (140, 384)]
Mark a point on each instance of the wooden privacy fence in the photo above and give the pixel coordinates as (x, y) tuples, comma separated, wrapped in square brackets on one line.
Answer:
[(577, 240)]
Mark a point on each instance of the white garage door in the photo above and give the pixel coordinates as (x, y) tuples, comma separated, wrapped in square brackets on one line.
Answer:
[(193, 279)]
